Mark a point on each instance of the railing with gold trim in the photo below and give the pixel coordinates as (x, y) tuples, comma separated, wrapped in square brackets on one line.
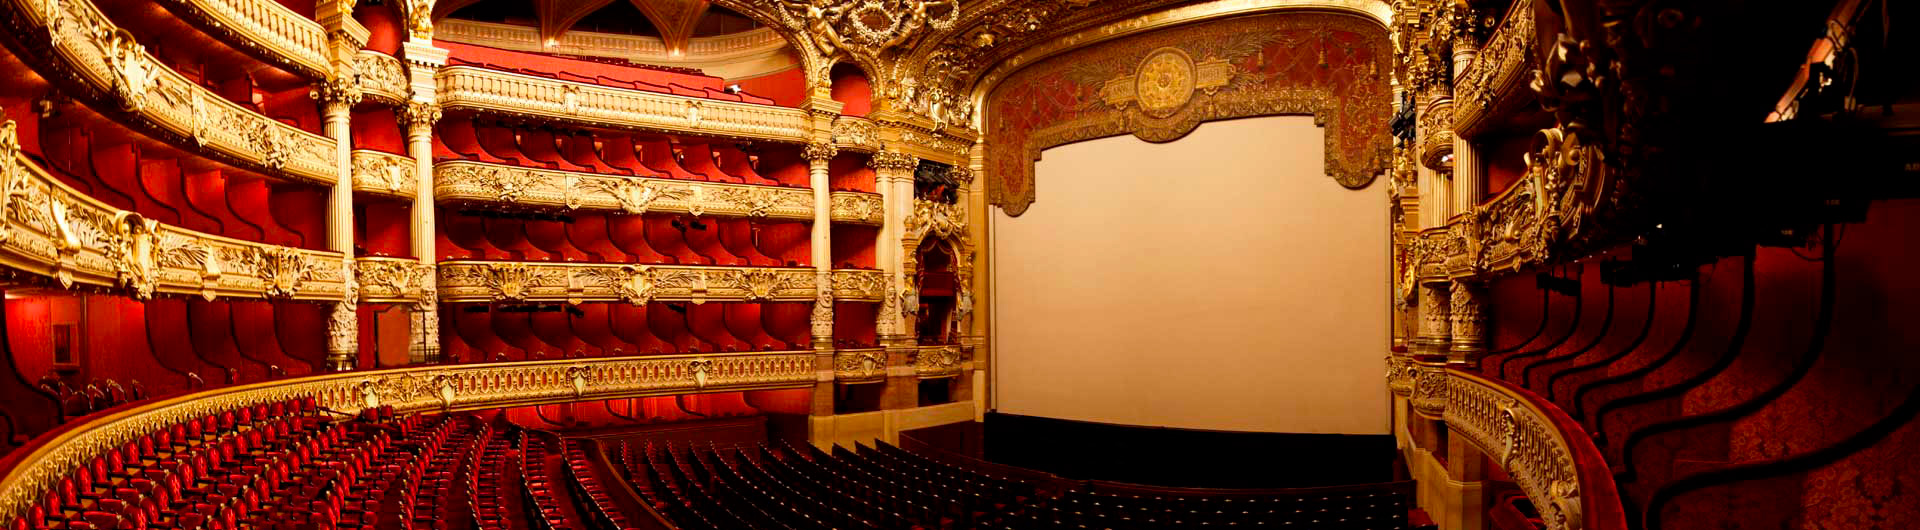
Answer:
[(382, 77), (635, 47), (520, 281), (265, 26), (941, 361), (466, 181), (53, 230), (391, 280), (1500, 68), (864, 365), (484, 90), (1548, 455), (859, 285), (385, 174), (42, 463), (74, 40), (856, 133)]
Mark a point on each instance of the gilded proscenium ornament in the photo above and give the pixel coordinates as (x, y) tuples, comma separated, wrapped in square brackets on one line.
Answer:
[(486, 281), (415, 390), (384, 174), (866, 29), (1520, 435), (853, 366), (73, 239), (497, 92), (101, 64), (392, 280)]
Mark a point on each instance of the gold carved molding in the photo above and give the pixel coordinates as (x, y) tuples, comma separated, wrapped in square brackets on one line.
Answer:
[(383, 78), (1512, 429), (931, 362), (483, 90), (104, 65), (393, 280), (859, 285), (384, 174), (409, 391), (52, 230), (271, 30), (856, 134), (860, 366), (458, 181), (495, 281), (1500, 69)]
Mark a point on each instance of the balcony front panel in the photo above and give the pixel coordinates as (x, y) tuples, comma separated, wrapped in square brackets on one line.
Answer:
[(460, 181), (483, 90), (383, 78), (53, 230), (72, 40), (392, 280), (265, 28), (384, 174), (1550, 458), (853, 285), (1500, 70), (514, 281)]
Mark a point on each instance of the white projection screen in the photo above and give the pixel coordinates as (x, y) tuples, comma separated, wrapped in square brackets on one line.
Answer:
[(1221, 281)]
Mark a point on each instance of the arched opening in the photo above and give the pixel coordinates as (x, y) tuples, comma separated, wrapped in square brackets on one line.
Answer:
[(938, 287), (851, 88)]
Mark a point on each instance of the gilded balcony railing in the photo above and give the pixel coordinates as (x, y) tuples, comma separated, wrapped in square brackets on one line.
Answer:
[(385, 174), (1502, 67), (55, 231), (519, 281), (266, 27), (73, 40), (386, 280), (44, 462), (862, 365), (484, 90), (1548, 455), (852, 285), (382, 77), (941, 361), (478, 182)]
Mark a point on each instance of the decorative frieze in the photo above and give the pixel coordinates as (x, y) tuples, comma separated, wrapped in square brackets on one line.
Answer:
[(384, 174), (487, 281), (393, 280), (476, 182), (856, 133), (107, 66), (484, 90), (859, 285), (857, 366), (52, 230), (940, 361), (1500, 67), (410, 391)]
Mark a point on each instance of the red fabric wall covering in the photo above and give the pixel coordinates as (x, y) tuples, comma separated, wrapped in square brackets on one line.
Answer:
[(619, 329), (631, 325), (1562, 314), (385, 335), (787, 88), (1596, 320), (782, 163), (30, 324), (1505, 162), (853, 246), (302, 330), (591, 324), (303, 211), (850, 172), (853, 324), (383, 228), (384, 26), (251, 316), (376, 127), (596, 237), (851, 88), (210, 328), (788, 401), (1667, 329), (1630, 323)]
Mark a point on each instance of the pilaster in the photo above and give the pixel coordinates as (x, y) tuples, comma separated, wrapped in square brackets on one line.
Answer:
[(337, 97), (423, 345)]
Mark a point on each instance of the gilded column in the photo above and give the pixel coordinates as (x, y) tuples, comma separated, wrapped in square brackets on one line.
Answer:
[(1429, 379), (894, 171), (423, 344), (337, 97), (818, 155), (1468, 324)]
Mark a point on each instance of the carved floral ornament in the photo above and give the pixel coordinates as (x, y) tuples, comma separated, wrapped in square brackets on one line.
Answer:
[(865, 29), (859, 365), (467, 281), (408, 390), (940, 361), (392, 279), (384, 173), (461, 181)]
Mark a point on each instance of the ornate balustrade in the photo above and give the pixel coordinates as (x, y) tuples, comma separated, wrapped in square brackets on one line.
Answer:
[(1550, 458), (383, 78), (634, 47), (859, 285), (1501, 68), (269, 29), (384, 174), (42, 463), (53, 230), (483, 90), (486, 281), (464, 181), (73, 42), (942, 361), (856, 134), (860, 366), (392, 280)]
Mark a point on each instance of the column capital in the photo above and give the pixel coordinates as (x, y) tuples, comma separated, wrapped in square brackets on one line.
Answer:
[(893, 160), (343, 92), (419, 116), (819, 151)]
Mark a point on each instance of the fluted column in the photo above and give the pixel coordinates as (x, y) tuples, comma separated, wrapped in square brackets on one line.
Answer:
[(1467, 341), (337, 98), (818, 156), (894, 171), (423, 344), (1469, 177)]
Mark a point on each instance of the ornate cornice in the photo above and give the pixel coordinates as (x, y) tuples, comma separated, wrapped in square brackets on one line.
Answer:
[(393, 280), (941, 361), (52, 230), (460, 181), (860, 366), (266, 28), (409, 391), (491, 91), (1500, 69), (383, 78), (859, 285), (384, 174), (493, 281), (1539, 445), (103, 65)]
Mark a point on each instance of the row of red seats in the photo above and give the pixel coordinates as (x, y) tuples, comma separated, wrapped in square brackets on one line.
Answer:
[(586, 484), (184, 192), (609, 153), (594, 72), (543, 471), (494, 490), (596, 237), (618, 328)]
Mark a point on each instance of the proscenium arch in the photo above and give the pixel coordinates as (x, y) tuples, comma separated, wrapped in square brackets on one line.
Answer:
[(1372, 15)]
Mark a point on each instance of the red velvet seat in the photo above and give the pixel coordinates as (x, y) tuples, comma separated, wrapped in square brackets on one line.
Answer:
[(501, 144), (658, 155), (737, 235), (664, 238), (543, 150), (578, 148)]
